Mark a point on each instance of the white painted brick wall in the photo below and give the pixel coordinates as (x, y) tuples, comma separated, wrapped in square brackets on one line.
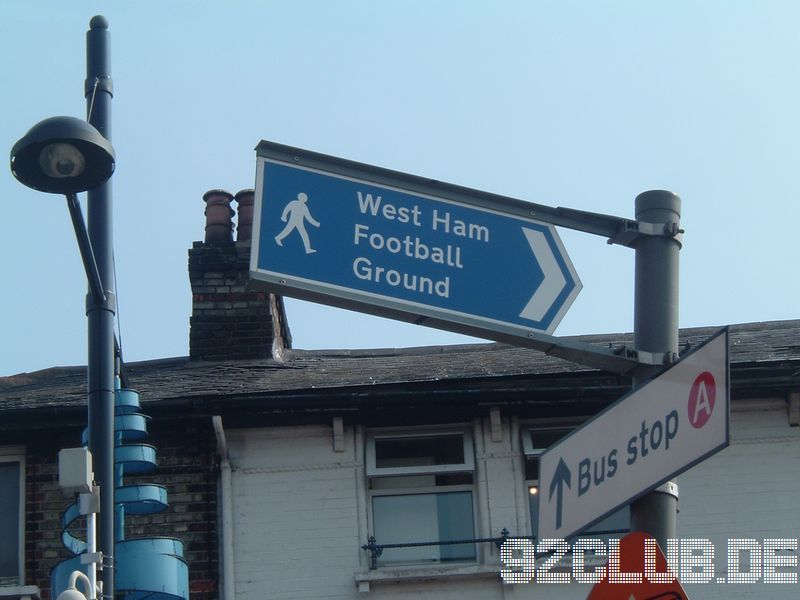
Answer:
[(297, 511), (749, 490)]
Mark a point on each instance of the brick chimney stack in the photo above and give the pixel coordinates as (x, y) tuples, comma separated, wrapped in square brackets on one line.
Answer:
[(228, 321)]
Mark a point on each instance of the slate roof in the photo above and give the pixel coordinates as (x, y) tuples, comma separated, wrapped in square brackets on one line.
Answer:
[(763, 346)]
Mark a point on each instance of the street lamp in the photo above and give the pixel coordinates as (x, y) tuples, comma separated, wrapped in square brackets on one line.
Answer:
[(62, 155), (65, 155)]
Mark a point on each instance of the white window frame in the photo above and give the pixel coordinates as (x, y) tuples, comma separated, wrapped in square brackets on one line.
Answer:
[(529, 449), (16, 454), (466, 467), (373, 472)]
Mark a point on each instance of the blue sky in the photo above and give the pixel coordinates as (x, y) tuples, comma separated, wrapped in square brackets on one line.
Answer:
[(579, 104)]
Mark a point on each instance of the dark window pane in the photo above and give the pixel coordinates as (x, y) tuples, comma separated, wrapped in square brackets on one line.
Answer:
[(532, 468), (544, 438), (9, 519), (419, 451), (454, 479)]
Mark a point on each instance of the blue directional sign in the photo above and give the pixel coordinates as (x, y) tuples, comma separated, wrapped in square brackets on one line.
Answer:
[(361, 237)]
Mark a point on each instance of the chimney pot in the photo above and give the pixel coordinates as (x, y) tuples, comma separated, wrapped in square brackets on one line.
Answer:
[(245, 200), (219, 226)]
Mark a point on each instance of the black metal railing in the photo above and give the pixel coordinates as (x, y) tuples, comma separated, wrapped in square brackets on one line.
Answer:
[(375, 549)]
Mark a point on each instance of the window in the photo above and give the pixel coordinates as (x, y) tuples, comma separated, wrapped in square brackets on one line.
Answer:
[(420, 490), (534, 443), (12, 504)]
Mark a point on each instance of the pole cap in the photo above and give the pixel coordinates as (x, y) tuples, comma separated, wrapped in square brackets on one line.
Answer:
[(98, 22), (660, 200)]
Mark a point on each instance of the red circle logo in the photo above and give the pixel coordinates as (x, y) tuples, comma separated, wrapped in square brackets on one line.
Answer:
[(701, 399)]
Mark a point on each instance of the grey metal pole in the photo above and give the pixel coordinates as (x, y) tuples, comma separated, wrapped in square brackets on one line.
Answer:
[(656, 330), (100, 315)]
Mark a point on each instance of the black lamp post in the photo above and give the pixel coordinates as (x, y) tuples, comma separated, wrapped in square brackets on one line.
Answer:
[(65, 155)]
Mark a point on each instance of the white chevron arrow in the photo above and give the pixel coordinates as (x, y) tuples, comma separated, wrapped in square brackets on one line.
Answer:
[(552, 283)]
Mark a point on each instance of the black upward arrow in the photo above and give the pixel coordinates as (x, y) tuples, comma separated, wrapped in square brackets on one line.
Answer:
[(561, 477)]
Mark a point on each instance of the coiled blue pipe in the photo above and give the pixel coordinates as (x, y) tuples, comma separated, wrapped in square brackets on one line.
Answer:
[(153, 567)]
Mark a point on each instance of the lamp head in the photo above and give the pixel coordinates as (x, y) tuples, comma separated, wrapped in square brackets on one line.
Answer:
[(62, 155)]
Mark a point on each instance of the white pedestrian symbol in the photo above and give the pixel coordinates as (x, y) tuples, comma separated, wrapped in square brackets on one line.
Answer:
[(294, 215)]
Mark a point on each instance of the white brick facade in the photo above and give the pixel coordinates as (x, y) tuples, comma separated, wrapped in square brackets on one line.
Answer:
[(301, 512)]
